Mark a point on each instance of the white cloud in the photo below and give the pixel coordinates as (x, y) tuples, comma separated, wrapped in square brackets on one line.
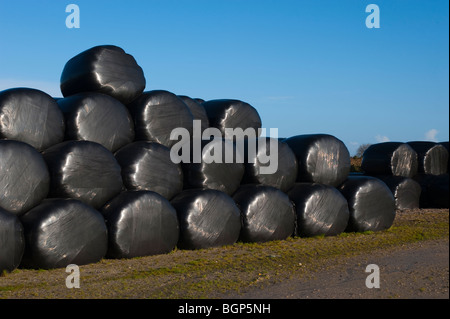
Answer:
[(381, 138), (50, 88), (431, 135)]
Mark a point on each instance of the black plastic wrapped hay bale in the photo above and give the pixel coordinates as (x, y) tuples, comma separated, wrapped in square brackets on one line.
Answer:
[(371, 204), (140, 223), (320, 209), (148, 166), (406, 191), (197, 110), (207, 218), (267, 213), (212, 170), (105, 69), (30, 116), (390, 158), (258, 166), (83, 170), (60, 232), (24, 177), (157, 113), (433, 157), (435, 190), (99, 118), (232, 114), (12, 241), (322, 158)]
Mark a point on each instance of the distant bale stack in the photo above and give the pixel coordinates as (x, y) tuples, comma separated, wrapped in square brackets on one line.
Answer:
[(207, 218), (406, 191), (270, 162), (267, 213), (321, 158), (213, 169), (140, 223), (83, 170), (390, 158), (148, 166), (232, 114), (97, 117), (433, 157), (24, 177), (30, 116), (435, 190), (104, 69), (197, 109), (320, 209), (60, 232), (157, 113), (12, 241), (371, 204)]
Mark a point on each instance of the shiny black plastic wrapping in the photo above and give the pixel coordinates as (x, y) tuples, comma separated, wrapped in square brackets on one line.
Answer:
[(156, 113), (322, 158), (83, 170), (12, 241), (211, 174), (97, 117), (24, 177), (140, 223), (30, 116), (197, 110), (390, 158), (371, 204), (286, 173), (105, 69), (435, 190), (60, 232), (406, 191), (433, 157), (320, 209), (148, 166), (267, 213), (207, 218), (228, 113)]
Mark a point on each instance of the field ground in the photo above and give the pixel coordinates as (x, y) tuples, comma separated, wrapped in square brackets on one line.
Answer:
[(412, 257)]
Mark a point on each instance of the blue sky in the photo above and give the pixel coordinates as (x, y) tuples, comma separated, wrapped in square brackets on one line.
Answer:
[(306, 66)]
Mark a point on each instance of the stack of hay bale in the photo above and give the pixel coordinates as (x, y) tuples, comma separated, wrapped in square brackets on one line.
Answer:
[(91, 175)]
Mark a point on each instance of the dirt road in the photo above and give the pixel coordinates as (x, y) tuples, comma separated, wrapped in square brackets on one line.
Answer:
[(419, 270)]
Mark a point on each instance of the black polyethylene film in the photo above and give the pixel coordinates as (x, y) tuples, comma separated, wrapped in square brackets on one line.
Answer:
[(148, 166), (30, 116), (24, 177), (140, 223), (213, 172), (258, 164), (157, 113), (99, 118), (322, 158), (197, 110), (433, 157), (232, 114), (371, 203), (12, 241), (320, 209), (390, 158), (207, 218), (60, 232), (83, 170), (267, 213), (406, 191), (105, 69), (435, 190)]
